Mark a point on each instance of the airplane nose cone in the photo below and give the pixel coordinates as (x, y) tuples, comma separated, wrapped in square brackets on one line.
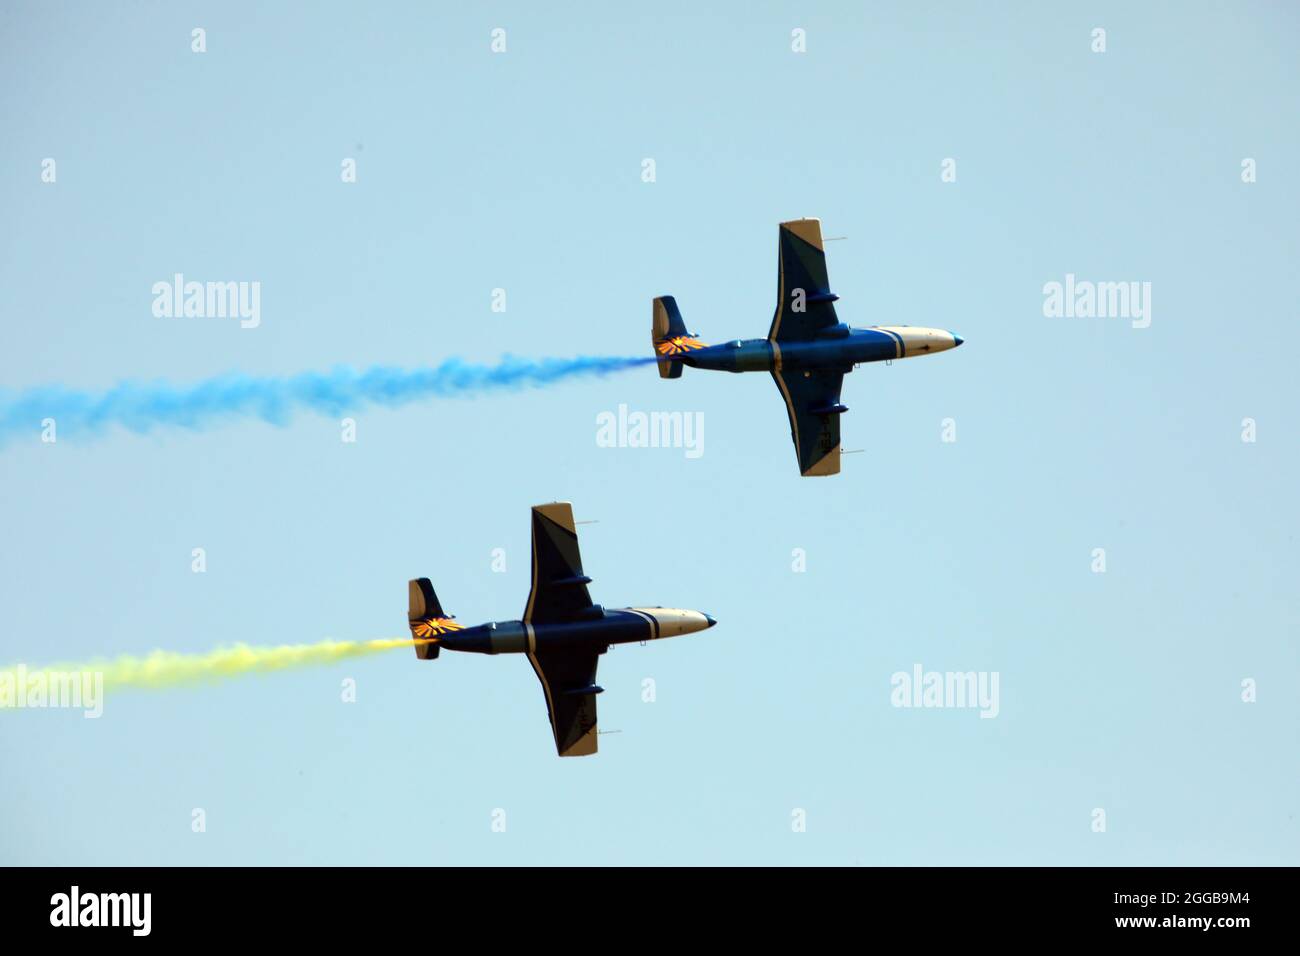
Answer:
[(957, 340), (672, 621)]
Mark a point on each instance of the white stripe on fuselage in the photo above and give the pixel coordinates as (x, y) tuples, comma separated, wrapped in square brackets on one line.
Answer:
[(645, 617)]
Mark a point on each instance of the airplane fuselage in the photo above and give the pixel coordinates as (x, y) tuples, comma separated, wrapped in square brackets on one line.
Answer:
[(807, 351), (562, 633), (596, 630), (839, 347)]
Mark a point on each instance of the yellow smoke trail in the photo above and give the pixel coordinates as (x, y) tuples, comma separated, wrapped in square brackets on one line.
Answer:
[(169, 669)]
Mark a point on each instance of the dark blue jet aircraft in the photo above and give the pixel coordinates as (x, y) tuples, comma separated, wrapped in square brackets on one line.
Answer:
[(807, 350), (562, 632)]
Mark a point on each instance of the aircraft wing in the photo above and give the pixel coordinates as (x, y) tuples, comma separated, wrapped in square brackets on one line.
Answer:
[(559, 587), (812, 400), (568, 678), (805, 304)]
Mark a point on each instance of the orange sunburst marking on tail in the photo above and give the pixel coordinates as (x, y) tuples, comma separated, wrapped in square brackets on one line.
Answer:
[(431, 627), (678, 344)]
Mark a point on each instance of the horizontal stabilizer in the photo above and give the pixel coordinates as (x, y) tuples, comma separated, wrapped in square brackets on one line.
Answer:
[(571, 582)]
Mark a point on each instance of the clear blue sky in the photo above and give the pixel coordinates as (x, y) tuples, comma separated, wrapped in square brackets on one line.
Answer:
[(1118, 690)]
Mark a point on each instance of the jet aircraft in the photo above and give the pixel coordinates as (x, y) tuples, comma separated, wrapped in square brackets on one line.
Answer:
[(807, 349), (562, 631)]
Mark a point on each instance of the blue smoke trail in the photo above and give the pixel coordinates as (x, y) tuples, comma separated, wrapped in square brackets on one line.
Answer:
[(141, 407)]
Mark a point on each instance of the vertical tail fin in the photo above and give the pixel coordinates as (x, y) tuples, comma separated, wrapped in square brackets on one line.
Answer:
[(425, 616), (669, 336)]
